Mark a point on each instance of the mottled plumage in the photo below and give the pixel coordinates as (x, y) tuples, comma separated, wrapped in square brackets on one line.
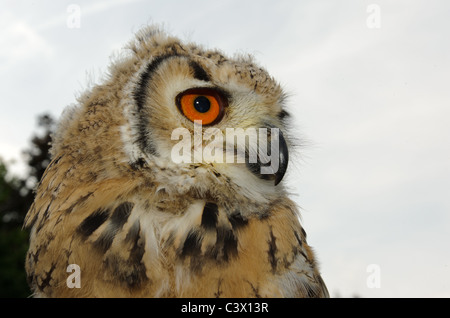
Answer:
[(140, 225)]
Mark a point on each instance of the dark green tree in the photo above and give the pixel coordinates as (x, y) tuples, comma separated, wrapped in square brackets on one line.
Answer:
[(16, 196)]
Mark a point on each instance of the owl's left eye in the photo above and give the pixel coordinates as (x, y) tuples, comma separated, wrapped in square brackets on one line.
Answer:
[(205, 104)]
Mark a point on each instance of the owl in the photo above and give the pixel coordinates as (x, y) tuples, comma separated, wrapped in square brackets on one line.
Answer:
[(166, 180)]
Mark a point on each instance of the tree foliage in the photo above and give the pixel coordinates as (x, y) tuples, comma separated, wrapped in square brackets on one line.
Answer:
[(16, 196)]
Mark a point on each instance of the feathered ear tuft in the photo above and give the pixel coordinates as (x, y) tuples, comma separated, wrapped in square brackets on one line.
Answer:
[(147, 40)]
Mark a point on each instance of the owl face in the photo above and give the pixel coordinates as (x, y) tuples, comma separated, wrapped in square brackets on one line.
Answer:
[(169, 100), (179, 86)]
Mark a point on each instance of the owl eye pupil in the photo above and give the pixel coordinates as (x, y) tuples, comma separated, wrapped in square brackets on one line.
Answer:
[(202, 104)]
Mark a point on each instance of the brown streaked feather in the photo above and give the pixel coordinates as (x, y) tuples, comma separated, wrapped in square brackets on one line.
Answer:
[(253, 259)]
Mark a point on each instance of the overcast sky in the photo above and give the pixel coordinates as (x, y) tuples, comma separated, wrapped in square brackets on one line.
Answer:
[(370, 93)]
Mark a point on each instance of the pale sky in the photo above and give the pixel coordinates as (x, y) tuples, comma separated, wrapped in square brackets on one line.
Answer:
[(370, 94)]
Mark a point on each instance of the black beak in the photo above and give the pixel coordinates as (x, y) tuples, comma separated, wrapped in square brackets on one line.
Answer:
[(283, 159), (276, 168)]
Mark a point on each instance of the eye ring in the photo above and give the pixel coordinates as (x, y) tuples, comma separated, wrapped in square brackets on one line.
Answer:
[(205, 104)]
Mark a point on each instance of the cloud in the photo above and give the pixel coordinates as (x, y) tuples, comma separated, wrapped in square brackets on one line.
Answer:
[(20, 41)]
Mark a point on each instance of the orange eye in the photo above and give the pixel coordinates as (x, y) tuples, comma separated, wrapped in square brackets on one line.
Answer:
[(203, 104)]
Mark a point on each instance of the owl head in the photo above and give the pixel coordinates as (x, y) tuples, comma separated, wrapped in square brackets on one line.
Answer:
[(182, 119)]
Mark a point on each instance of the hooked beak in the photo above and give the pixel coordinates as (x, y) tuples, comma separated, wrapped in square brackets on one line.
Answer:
[(283, 159), (279, 158)]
